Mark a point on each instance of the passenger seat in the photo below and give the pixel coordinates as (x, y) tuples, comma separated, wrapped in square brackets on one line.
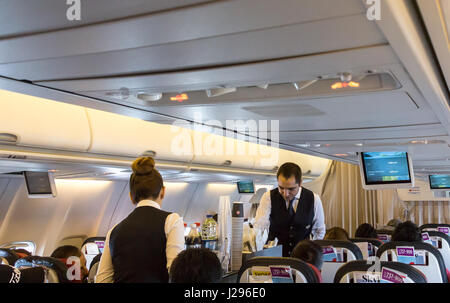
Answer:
[(56, 270)]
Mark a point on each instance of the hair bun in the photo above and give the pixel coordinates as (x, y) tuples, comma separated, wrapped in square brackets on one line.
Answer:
[(143, 165)]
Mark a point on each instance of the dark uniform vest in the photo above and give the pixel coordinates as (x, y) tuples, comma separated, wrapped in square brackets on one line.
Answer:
[(291, 230), (138, 247)]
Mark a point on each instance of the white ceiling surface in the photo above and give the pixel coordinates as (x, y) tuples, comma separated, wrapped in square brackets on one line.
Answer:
[(242, 43)]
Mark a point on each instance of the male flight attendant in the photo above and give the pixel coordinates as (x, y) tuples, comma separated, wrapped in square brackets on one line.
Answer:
[(291, 211)]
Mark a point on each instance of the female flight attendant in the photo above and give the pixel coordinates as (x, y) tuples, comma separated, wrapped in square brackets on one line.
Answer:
[(142, 247)]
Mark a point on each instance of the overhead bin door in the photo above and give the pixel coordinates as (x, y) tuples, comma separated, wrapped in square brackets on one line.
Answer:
[(38, 122), (121, 135), (315, 165), (271, 158), (213, 149)]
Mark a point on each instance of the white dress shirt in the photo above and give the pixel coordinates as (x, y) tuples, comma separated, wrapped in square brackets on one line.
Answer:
[(174, 230), (262, 220)]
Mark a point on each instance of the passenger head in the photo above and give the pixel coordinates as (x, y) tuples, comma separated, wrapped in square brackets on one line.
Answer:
[(394, 223), (366, 230), (336, 233), (408, 232), (145, 181), (66, 251), (309, 252), (289, 178), (196, 265)]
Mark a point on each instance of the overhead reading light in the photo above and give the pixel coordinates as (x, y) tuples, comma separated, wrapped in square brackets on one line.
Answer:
[(148, 97), (214, 92), (263, 86), (179, 98)]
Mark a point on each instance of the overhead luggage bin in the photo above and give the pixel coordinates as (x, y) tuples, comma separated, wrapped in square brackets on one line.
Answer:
[(122, 135), (36, 122), (272, 158), (218, 150)]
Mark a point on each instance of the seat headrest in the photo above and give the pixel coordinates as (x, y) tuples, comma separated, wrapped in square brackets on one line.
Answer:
[(385, 231), (48, 262), (375, 242), (433, 225), (9, 274), (93, 239), (364, 266), (96, 259), (10, 255), (293, 263), (417, 245), (342, 244)]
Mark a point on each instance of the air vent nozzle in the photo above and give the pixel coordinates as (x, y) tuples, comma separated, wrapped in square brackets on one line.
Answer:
[(227, 163), (149, 153)]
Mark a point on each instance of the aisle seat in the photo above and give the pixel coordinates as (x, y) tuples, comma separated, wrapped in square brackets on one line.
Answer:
[(364, 272), (349, 252), (56, 269), (302, 272), (434, 267)]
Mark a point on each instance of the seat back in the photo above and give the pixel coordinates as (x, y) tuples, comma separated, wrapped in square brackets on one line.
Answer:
[(364, 272), (91, 248), (371, 246), (347, 250), (384, 235), (10, 274), (441, 227), (8, 256), (302, 272), (56, 269), (434, 267), (441, 241)]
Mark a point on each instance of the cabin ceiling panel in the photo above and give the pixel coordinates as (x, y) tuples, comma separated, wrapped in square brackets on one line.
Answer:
[(50, 15), (317, 37)]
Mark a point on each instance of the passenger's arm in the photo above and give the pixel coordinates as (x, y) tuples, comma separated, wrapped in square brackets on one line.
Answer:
[(318, 229), (174, 229), (263, 212), (105, 273)]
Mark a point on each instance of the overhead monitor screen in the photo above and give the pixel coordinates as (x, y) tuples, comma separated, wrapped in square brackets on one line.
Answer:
[(246, 187), (439, 181), (38, 183), (381, 168)]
